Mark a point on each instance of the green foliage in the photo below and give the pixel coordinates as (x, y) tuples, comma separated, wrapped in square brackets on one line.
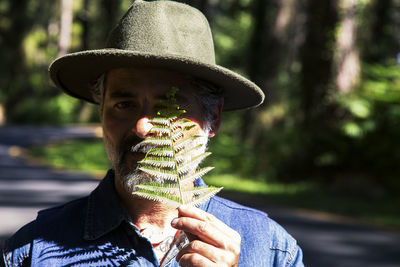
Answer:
[(83, 155), (356, 150), (173, 157), (49, 110), (353, 138), (231, 38), (90, 156)]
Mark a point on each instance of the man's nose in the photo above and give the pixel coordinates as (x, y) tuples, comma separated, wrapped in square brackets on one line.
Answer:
[(143, 126)]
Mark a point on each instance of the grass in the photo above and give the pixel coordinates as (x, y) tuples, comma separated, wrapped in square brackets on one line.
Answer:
[(90, 157), (381, 212)]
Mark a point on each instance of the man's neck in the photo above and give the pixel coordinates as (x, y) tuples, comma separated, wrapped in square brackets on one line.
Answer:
[(153, 219), (146, 213)]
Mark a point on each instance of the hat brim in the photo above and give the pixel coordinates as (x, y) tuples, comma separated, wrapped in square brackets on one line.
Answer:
[(75, 72)]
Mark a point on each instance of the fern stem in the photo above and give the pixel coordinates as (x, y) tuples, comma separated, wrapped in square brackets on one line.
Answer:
[(176, 165)]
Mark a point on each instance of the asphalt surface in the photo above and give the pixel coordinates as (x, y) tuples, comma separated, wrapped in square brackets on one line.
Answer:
[(26, 189)]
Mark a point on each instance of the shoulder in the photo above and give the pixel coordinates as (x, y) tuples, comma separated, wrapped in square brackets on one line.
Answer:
[(49, 222), (51, 219), (237, 215), (260, 234), (67, 213), (286, 250)]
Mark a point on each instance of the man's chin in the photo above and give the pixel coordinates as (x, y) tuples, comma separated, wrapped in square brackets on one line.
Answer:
[(130, 179)]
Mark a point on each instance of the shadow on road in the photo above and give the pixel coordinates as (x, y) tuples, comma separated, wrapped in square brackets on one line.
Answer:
[(330, 243), (26, 189)]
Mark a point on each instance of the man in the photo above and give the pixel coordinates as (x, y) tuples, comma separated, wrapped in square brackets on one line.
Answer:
[(156, 46)]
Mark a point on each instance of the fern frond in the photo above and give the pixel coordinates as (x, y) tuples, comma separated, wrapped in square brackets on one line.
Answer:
[(161, 152), (184, 124), (174, 110), (177, 135), (160, 121), (173, 155), (160, 129), (197, 174), (193, 163), (185, 141), (159, 162), (158, 141), (161, 188), (160, 173), (165, 198), (194, 196), (201, 198), (188, 154)]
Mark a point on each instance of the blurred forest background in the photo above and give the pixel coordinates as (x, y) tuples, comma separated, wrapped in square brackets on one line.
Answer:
[(330, 70)]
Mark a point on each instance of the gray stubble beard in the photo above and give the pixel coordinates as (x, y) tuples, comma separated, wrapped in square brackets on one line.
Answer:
[(129, 179)]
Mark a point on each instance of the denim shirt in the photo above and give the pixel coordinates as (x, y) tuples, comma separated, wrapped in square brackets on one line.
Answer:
[(96, 231)]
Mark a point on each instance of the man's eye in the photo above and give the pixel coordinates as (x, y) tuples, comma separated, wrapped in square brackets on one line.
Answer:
[(125, 105)]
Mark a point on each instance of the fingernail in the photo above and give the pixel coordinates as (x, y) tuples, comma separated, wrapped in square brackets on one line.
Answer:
[(174, 222)]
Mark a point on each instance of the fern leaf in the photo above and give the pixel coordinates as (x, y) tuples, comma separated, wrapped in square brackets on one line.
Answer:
[(161, 152), (165, 198), (184, 124), (195, 196), (161, 188), (201, 198), (173, 155), (157, 141), (193, 163), (160, 129), (160, 173), (159, 162), (176, 136), (197, 174), (189, 153), (159, 121), (167, 112), (185, 141)]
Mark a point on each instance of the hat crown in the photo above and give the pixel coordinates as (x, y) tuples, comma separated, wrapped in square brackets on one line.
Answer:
[(164, 28)]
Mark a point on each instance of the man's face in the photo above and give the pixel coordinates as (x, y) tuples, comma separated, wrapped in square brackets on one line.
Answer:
[(132, 97)]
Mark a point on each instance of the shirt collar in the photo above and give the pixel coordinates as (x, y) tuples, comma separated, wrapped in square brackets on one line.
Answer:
[(105, 211)]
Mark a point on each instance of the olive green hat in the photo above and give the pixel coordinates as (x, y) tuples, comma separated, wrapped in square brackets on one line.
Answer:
[(160, 34)]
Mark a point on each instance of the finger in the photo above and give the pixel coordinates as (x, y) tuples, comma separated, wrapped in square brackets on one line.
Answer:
[(191, 237), (210, 252), (193, 212), (195, 260), (204, 230)]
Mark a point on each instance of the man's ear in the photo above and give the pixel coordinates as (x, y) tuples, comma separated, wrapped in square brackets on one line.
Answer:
[(216, 119)]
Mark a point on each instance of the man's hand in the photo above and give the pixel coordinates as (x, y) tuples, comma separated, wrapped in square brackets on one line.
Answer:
[(211, 242)]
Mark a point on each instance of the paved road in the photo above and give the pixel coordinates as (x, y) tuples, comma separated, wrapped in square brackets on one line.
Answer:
[(25, 189), (330, 241)]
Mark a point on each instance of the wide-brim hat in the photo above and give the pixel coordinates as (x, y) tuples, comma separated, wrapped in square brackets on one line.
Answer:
[(159, 34)]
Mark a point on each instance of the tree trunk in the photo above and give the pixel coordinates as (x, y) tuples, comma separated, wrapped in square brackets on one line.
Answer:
[(348, 62), (110, 15), (66, 15), (84, 20), (13, 70), (380, 35), (256, 51), (84, 110), (316, 57)]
